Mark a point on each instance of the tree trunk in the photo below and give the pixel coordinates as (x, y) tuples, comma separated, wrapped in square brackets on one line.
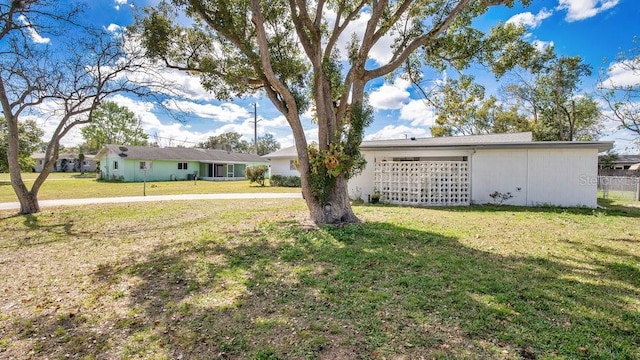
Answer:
[(337, 210), (28, 202)]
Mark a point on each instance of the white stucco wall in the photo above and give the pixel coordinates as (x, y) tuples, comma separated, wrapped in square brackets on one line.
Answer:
[(502, 171), (362, 185), (553, 176), (281, 166), (560, 177), (563, 177)]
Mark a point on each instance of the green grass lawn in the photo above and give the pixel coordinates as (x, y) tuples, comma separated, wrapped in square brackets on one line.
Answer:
[(252, 280), (75, 186)]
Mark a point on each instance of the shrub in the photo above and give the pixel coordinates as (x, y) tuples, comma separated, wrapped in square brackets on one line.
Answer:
[(256, 174), (499, 198), (285, 181)]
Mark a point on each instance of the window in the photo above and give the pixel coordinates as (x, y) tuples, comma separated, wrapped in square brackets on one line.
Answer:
[(115, 165), (293, 165), (145, 165), (182, 166)]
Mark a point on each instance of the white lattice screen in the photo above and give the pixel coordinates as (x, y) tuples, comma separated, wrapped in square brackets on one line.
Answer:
[(423, 182)]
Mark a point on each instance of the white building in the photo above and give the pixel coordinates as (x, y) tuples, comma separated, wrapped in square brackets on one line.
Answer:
[(467, 169), (67, 162), (283, 162)]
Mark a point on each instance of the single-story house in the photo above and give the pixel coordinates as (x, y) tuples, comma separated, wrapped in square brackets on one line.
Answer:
[(139, 163), (462, 170), (283, 161), (67, 162), (621, 162)]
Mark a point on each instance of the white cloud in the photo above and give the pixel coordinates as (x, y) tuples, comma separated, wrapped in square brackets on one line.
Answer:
[(119, 2), (114, 28), (623, 73), (390, 96), (529, 19), (171, 82), (278, 122), (174, 83), (584, 9), (398, 132), (142, 109), (542, 45), (177, 133), (419, 113), (33, 34), (225, 112)]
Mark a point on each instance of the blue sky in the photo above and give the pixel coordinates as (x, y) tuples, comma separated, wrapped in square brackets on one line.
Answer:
[(593, 29)]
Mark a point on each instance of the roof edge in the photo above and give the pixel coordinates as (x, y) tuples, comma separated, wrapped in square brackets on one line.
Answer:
[(600, 145)]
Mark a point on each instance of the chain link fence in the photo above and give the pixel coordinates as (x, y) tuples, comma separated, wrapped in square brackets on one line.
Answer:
[(619, 188)]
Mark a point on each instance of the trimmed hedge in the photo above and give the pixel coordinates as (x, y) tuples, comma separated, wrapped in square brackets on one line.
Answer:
[(285, 181)]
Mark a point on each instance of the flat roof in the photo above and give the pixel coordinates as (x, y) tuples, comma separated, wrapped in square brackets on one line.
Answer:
[(599, 145), (491, 141)]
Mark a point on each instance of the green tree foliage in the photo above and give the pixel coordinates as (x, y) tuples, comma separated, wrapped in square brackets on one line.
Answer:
[(458, 105), (560, 112), (229, 141), (113, 124), (267, 144), (289, 51), (463, 110), (257, 174), (608, 160), (30, 140)]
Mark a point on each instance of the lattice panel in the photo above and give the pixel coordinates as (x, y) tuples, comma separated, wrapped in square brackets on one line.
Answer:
[(429, 183)]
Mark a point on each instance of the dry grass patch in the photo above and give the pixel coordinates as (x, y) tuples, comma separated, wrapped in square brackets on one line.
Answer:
[(249, 279)]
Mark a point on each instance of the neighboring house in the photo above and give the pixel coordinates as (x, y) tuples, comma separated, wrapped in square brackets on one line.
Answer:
[(462, 170), (621, 162), (138, 163), (67, 162), (283, 162)]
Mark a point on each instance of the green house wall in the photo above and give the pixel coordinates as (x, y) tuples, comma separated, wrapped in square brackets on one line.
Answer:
[(160, 170)]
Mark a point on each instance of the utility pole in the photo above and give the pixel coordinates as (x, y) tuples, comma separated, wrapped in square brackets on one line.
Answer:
[(255, 127)]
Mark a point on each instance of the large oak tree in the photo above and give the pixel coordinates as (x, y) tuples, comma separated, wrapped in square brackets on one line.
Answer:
[(289, 50)]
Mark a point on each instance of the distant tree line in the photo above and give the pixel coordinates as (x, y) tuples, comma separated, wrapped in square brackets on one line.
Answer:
[(544, 96), (232, 141)]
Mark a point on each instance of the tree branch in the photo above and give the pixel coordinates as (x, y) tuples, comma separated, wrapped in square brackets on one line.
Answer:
[(402, 54)]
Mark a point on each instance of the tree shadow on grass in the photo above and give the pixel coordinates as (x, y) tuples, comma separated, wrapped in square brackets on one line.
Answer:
[(34, 235), (364, 291), (609, 209)]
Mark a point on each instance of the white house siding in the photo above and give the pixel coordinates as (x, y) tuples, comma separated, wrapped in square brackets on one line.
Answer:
[(282, 166), (534, 177), (362, 186), (563, 177), (499, 170)]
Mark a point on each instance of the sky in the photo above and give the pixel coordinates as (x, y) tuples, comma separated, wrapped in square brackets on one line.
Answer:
[(596, 30)]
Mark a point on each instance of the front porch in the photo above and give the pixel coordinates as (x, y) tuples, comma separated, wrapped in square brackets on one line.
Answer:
[(222, 171)]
